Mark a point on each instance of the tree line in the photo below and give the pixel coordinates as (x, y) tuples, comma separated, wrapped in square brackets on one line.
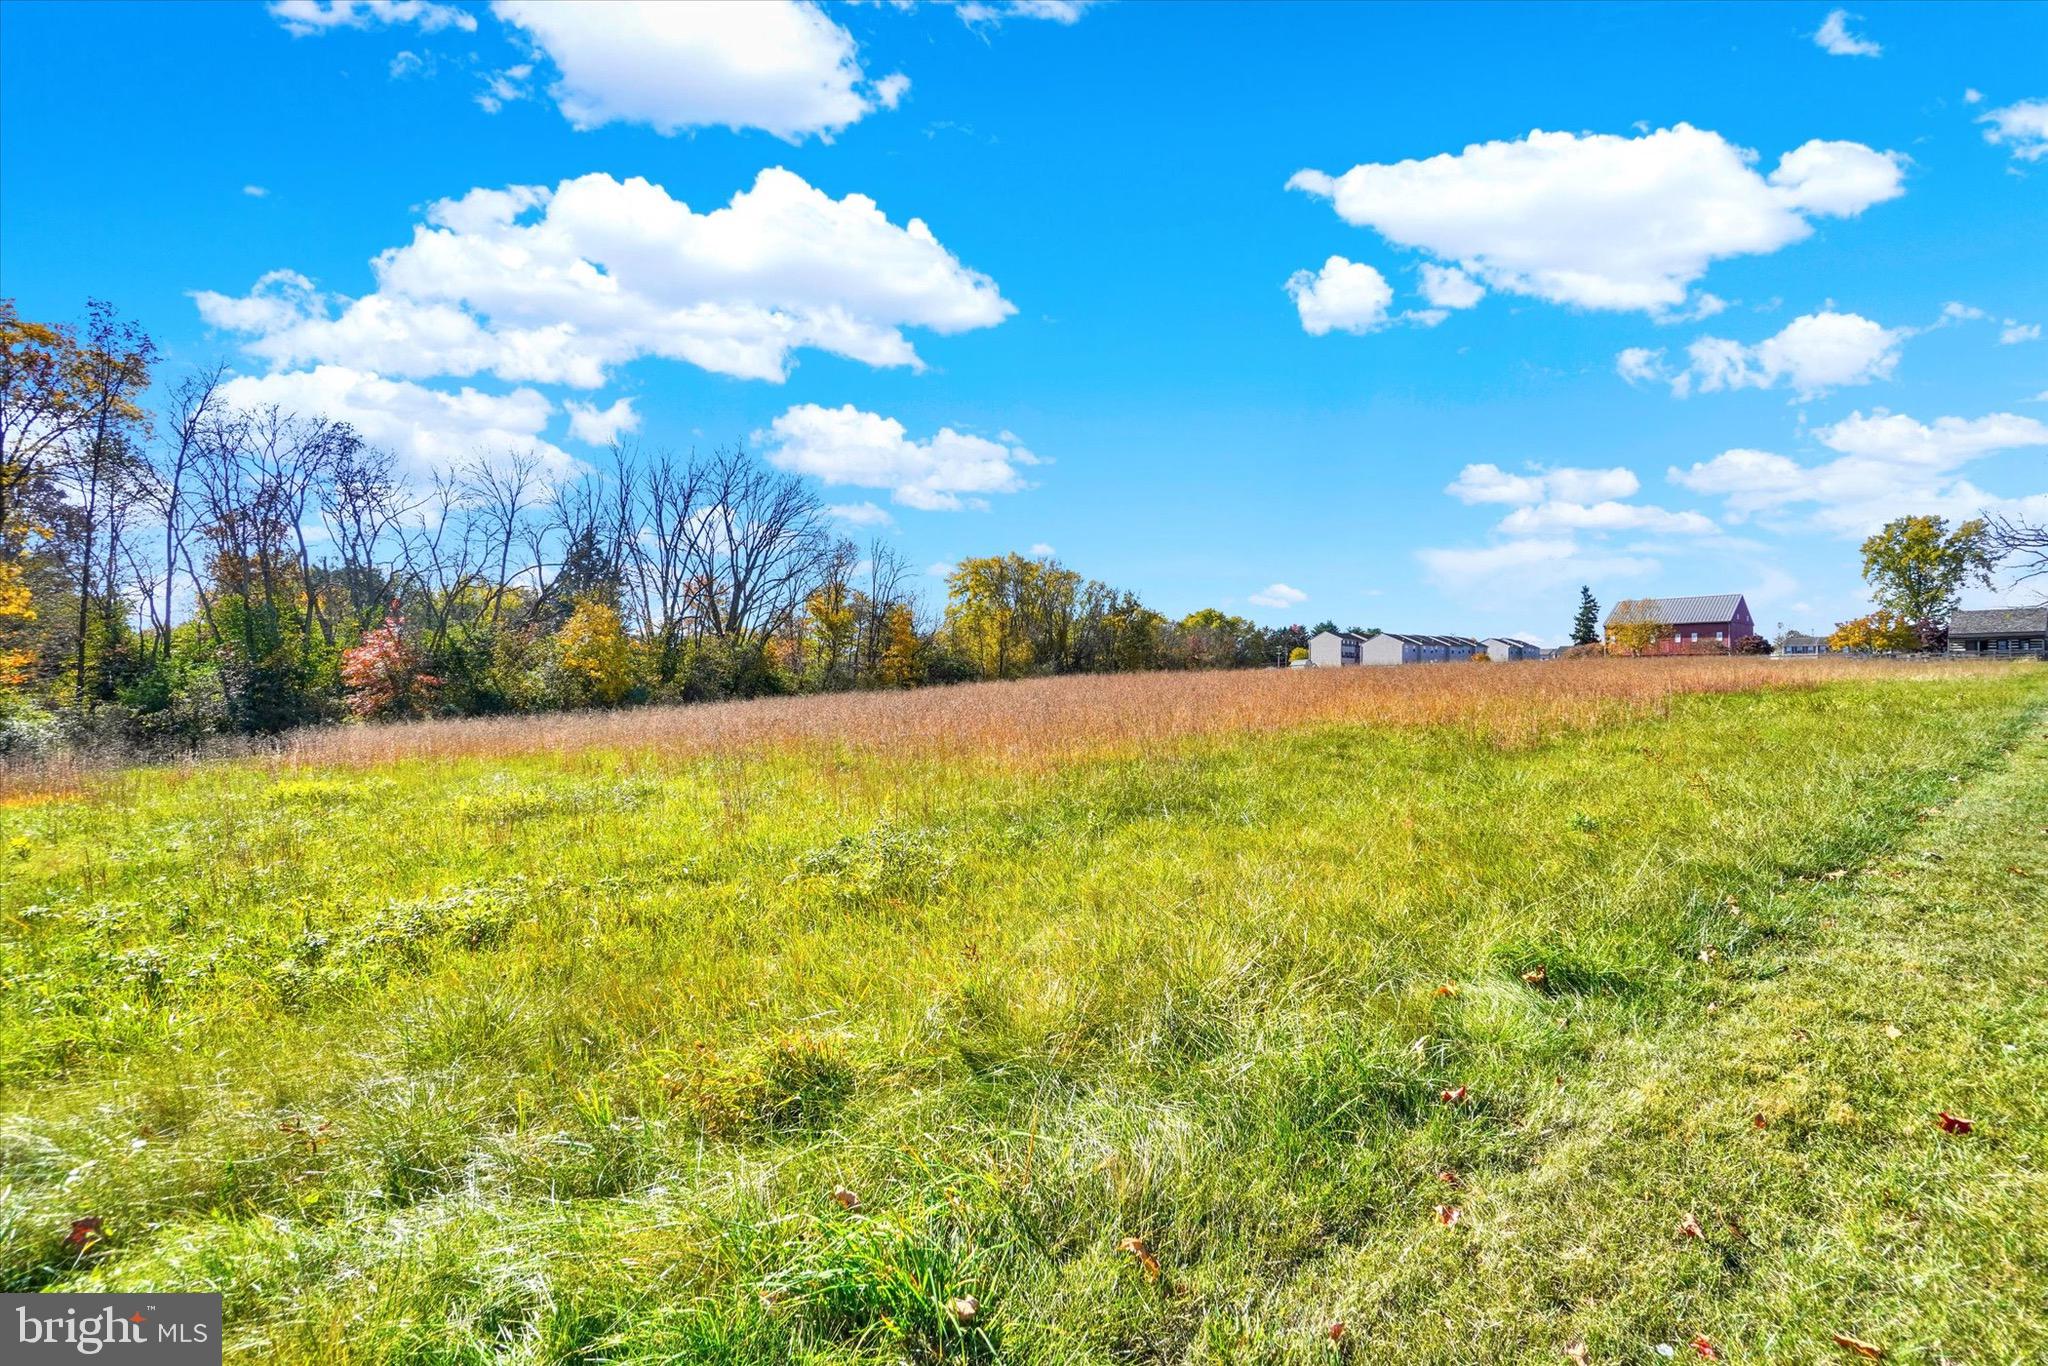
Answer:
[(174, 566)]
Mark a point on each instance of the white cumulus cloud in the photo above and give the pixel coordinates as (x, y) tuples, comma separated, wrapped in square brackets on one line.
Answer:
[(1601, 221), (2012, 334), (1550, 504), (426, 429), (845, 445), (1541, 518), (861, 514), (1526, 568), (1833, 36), (782, 66), (1343, 296), (1277, 595), (1449, 287), (560, 285), (2021, 127), (597, 426), (1886, 464), (1811, 355), (1488, 483)]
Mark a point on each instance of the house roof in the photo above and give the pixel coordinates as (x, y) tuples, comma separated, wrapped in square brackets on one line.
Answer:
[(1999, 621), (1515, 641), (1712, 607), (1801, 638)]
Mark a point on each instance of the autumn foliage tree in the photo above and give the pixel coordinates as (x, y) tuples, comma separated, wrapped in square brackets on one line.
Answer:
[(17, 608), (900, 665), (385, 676), (1917, 567), (1635, 627), (1882, 632), (595, 654)]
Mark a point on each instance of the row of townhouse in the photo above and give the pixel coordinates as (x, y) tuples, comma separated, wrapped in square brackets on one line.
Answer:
[(1340, 649)]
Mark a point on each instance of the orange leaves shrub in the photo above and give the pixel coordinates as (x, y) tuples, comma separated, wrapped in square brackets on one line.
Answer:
[(385, 677)]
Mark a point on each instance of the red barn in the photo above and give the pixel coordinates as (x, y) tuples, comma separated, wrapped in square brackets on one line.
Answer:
[(1716, 619)]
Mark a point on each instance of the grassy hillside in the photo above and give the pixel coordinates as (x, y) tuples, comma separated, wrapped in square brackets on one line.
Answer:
[(1133, 1020)]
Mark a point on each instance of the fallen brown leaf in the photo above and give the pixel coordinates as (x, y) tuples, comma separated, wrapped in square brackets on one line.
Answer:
[(1953, 1124), (1136, 1247), (1690, 1227), (1576, 1354), (1448, 1215), (845, 1198), (1454, 1096), (1860, 1348), (1707, 1351), (964, 1308)]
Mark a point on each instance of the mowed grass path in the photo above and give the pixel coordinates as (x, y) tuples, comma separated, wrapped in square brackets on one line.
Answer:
[(565, 1058)]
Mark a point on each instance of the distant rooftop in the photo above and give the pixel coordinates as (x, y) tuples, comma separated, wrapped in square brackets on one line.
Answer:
[(1999, 621)]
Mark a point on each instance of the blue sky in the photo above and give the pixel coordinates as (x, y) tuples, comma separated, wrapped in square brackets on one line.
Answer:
[(1551, 304)]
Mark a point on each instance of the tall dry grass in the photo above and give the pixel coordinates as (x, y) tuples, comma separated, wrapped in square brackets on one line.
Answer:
[(1049, 720)]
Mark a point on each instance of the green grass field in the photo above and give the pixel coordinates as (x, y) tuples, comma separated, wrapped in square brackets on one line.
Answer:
[(813, 1054)]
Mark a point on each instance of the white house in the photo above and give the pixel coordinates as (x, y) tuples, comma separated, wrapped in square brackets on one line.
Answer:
[(1501, 648)]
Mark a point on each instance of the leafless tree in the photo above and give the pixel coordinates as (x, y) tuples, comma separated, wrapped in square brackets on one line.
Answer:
[(440, 556), (502, 496), (659, 556), (361, 507), (195, 404), (762, 545), (105, 448), (2020, 547), (882, 591)]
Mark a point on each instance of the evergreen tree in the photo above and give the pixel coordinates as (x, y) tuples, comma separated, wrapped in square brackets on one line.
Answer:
[(1586, 625)]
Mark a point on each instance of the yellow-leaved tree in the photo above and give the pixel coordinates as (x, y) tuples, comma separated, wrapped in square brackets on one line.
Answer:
[(1634, 627), (595, 653), (834, 618), (899, 665), (985, 599), (1879, 633), (17, 608)]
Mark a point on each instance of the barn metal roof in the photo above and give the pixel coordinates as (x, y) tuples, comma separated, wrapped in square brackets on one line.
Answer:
[(1712, 607)]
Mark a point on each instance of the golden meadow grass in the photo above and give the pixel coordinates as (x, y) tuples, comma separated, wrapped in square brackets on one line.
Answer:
[(1052, 720), (553, 1041)]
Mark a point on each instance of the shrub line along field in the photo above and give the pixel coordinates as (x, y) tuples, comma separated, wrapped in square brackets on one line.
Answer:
[(1157, 1019)]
